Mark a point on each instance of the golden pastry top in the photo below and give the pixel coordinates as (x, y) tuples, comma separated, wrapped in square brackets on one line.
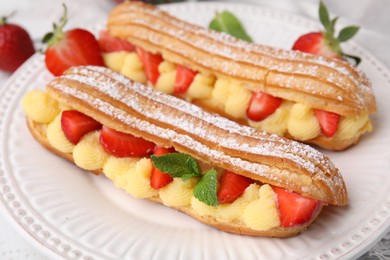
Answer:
[(126, 106), (323, 83)]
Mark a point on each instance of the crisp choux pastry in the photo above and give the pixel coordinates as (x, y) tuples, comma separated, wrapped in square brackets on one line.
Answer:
[(238, 168), (334, 90)]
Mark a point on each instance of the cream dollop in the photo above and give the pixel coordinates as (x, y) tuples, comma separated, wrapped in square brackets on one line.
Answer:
[(167, 78), (40, 107), (201, 87), (138, 180), (56, 136), (178, 193), (302, 123), (88, 154), (275, 123), (262, 214)]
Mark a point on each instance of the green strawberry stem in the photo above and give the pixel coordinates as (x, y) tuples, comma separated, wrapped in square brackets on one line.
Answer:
[(4, 19), (57, 34), (329, 34)]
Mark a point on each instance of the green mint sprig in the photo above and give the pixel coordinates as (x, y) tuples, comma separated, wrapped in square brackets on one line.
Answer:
[(180, 165), (228, 23)]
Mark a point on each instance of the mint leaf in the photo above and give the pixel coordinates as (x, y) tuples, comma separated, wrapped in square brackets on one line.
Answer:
[(177, 165), (347, 33), (206, 188), (228, 23)]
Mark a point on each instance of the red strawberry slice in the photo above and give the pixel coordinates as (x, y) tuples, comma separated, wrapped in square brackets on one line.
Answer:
[(159, 179), (262, 105), (16, 45), (124, 145), (326, 43), (151, 62), (108, 43), (329, 121), (231, 186), (75, 125), (294, 209), (314, 43), (71, 48), (184, 78)]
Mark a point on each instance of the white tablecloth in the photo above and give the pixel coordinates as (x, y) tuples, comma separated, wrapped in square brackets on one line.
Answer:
[(36, 16)]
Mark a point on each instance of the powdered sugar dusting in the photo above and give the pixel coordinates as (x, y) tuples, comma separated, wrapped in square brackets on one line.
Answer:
[(224, 133), (154, 24), (272, 145)]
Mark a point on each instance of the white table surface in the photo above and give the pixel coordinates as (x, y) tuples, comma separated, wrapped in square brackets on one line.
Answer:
[(36, 16)]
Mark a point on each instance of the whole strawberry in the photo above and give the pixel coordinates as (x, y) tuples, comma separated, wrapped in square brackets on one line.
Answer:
[(16, 46), (325, 43), (70, 48)]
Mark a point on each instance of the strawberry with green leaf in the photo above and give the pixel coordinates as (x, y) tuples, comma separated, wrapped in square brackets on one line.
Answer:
[(71, 48), (325, 43), (180, 165), (159, 179)]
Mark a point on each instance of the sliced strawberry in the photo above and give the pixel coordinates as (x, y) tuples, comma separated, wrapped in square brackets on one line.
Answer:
[(108, 43), (124, 145), (151, 62), (184, 78), (328, 121), (314, 43), (326, 43), (71, 48), (231, 186), (262, 105), (294, 209), (159, 179), (75, 125)]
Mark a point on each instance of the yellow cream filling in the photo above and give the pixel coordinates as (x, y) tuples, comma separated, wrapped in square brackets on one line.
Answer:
[(256, 208), (233, 98), (350, 126), (201, 87), (276, 123), (178, 193), (57, 138), (40, 107), (233, 212), (166, 80), (302, 123), (262, 214), (237, 100), (88, 153), (138, 180)]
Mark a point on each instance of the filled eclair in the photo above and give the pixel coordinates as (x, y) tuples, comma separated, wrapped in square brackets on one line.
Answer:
[(162, 148), (305, 97)]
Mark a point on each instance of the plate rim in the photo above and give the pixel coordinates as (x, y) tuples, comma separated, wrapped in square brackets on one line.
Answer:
[(7, 212)]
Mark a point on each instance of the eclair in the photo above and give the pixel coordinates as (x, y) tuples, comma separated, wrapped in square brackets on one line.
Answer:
[(162, 148), (313, 99)]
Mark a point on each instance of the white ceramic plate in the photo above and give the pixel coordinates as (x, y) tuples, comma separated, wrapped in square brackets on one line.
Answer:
[(69, 213)]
